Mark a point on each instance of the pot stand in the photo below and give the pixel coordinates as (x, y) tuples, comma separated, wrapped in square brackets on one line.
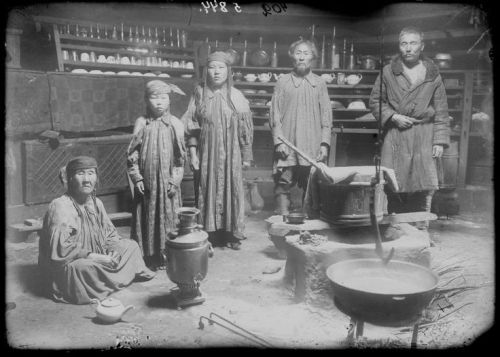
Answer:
[(357, 327), (187, 295)]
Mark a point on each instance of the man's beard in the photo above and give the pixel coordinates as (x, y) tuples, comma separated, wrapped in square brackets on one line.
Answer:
[(302, 70)]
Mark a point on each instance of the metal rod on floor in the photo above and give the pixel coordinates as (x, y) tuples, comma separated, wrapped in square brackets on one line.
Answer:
[(241, 328), (201, 326)]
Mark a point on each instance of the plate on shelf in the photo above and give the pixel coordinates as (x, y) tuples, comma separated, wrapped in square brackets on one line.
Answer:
[(164, 75), (262, 91), (95, 71), (79, 70), (124, 73), (186, 75), (136, 74), (149, 74), (249, 91)]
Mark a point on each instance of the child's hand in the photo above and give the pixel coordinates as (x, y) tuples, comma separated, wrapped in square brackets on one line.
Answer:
[(140, 186)]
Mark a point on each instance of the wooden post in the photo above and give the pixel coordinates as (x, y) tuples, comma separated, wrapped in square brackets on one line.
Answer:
[(465, 129)]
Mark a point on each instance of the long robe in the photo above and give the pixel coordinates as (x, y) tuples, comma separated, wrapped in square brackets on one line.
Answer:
[(409, 151), (156, 156), (69, 233), (223, 133), (300, 112)]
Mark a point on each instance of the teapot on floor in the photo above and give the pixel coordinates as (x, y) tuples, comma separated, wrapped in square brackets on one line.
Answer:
[(110, 310)]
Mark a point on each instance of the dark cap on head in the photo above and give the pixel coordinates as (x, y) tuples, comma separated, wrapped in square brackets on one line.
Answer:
[(79, 163)]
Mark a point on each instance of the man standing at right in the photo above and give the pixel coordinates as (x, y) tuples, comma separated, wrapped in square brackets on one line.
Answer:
[(415, 122)]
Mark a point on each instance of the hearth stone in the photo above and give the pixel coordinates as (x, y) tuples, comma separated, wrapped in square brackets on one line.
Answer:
[(306, 264)]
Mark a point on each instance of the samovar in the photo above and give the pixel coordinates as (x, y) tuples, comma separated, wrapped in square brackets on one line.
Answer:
[(186, 255)]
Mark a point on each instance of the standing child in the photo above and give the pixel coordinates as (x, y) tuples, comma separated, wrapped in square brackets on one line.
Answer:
[(155, 161)]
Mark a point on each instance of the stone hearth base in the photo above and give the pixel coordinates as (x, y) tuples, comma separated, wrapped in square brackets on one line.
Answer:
[(306, 264)]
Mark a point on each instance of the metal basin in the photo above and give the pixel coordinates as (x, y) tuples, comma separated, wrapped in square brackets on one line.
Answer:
[(391, 295)]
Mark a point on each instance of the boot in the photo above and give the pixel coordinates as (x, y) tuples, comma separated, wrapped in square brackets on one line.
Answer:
[(282, 203)]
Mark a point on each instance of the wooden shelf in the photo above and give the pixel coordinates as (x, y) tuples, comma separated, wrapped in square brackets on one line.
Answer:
[(314, 70), (128, 67), (354, 131), (67, 37), (125, 52)]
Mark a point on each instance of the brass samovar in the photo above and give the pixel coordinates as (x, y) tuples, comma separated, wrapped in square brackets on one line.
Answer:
[(186, 254)]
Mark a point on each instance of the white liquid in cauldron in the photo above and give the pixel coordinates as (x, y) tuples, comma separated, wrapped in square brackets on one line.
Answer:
[(382, 282)]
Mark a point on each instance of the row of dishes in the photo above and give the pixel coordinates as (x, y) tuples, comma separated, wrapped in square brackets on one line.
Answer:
[(126, 73)]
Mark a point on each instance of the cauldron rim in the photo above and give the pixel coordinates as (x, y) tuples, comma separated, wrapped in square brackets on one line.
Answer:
[(332, 267)]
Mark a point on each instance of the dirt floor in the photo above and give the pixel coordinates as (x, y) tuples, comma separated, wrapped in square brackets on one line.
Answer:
[(238, 288)]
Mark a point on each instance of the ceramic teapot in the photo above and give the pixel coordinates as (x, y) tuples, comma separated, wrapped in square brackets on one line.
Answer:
[(353, 79), (265, 77), (250, 77), (110, 309), (328, 77), (277, 76)]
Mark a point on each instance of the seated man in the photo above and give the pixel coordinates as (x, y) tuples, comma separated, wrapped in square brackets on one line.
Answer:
[(81, 254)]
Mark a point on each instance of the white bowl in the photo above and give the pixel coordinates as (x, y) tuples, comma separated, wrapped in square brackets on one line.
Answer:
[(110, 73), (186, 75), (79, 70), (136, 74), (149, 74), (164, 75), (95, 71), (124, 73)]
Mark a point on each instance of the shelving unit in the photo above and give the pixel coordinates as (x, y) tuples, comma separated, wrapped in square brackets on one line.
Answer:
[(357, 121), (154, 59)]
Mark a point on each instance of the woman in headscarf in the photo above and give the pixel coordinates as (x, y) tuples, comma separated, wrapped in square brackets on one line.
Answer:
[(81, 254), (219, 129), (155, 160)]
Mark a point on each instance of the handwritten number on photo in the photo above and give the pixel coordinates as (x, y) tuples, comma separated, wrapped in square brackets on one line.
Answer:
[(276, 8)]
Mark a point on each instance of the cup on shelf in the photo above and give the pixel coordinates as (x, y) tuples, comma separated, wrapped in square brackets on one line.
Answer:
[(65, 55), (101, 59), (277, 76), (183, 64), (357, 105), (84, 57), (340, 78), (92, 56), (176, 64), (125, 60), (165, 63), (250, 77), (110, 59), (189, 65)]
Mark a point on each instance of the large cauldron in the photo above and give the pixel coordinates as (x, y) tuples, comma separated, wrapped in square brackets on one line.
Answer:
[(186, 253), (387, 295), (348, 204)]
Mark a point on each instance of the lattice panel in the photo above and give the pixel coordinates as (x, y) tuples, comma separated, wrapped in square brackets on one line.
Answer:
[(42, 165)]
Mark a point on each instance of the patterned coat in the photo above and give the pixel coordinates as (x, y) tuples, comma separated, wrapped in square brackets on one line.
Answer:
[(223, 134), (156, 155)]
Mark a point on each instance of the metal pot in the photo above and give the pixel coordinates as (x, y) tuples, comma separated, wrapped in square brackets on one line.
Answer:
[(294, 218), (443, 60), (369, 62), (235, 56), (387, 295), (186, 253), (259, 57)]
